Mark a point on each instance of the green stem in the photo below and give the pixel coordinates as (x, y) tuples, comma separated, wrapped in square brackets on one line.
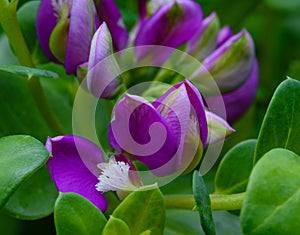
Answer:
[(218, 201), (10, 25)]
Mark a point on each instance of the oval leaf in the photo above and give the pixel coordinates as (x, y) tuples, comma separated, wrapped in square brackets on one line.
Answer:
[(235, 168), (143, 210), (280, 128), (203, 204), (20, 157), (34, 199), (272, 201), (22, 70), (116, 226), (73, 214)]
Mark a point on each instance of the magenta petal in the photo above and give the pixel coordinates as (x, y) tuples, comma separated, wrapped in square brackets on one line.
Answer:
[(224, 34), (142, 6), (238, 101), (198, 105), (45, 23), (69, 165), (102, 67), (139, 129), (205, 39), (195, 98), (109, 12), (230, 69), (80, 35), (172, 24)]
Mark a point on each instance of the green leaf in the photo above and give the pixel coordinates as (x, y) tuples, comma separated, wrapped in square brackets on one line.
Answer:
[(6, 55), (27, 19), (34, 199), (116, 226), (272, 201), (73, 214), (143, 210), (203, 204), (286, 5), (22, 70), (234, 170), (60, 94), (280, 127), (20, 157), (18, 113)]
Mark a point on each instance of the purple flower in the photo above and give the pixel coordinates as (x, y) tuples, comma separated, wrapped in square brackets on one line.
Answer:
[(102, 67), (165, 135), (65, 29), (77, 165), (238, 101), (204, 40), (171, 25), (108, 12)]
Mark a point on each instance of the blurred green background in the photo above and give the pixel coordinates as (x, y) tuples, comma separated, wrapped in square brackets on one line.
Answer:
[(275, 27)]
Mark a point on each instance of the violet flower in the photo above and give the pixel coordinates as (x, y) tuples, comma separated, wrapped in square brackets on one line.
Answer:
[(108, 12), (65, 29), (168, 135), (98, 78), (77, 165), (173, 24)]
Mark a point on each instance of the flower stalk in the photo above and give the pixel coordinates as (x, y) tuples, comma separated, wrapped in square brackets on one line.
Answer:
[(10, 25), (218, 201)]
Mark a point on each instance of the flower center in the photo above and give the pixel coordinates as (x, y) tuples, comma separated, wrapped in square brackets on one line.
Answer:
[(114, 177)]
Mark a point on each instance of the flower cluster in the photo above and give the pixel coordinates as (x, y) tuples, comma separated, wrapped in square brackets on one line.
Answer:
[(72, 33), (168, 135)]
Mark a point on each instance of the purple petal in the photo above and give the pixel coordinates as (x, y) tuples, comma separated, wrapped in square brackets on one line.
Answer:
[(109, 12), (142, 6), (205, 39), (172, 25), (45, 23), (198, 106), (175, 107), (102, 67), (139, 129), (73, 167), (80, 35), (194, 97), (224, 34), (229, 68), (238, 101)]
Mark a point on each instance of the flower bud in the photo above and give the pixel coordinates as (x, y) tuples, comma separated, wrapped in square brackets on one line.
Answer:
[(205, 39)]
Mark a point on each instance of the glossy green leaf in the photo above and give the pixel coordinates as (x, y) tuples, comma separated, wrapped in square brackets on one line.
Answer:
[(73, 214), (203, 204), (185, 222), (143, 210), (20, 157), (280, 128), (34, 199), (18, 113), (234, 170), (272, 201), (116, 226), (29, 72)]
